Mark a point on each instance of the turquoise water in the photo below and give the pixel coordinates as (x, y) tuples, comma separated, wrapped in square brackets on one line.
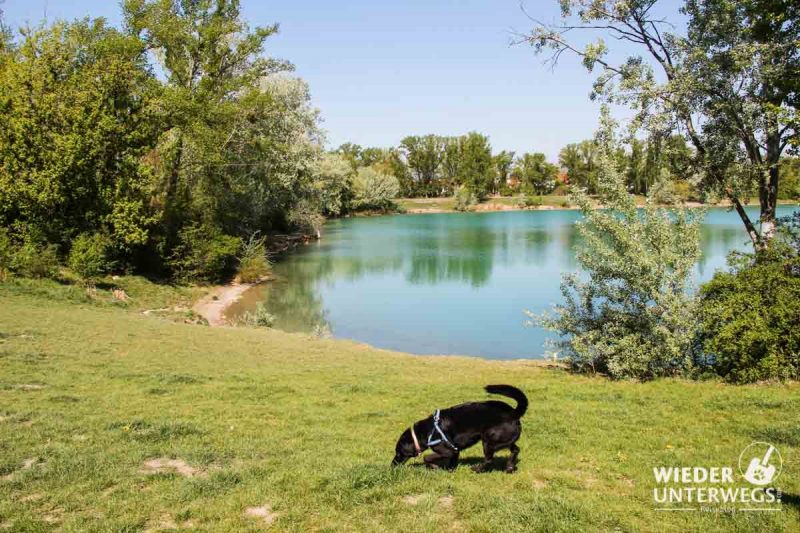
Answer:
[(446, 283)]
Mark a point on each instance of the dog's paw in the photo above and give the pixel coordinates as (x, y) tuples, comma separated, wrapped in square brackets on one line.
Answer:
[(511, 469)]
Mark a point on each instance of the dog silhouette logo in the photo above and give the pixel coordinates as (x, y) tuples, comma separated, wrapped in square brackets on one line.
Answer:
[(760, 463)]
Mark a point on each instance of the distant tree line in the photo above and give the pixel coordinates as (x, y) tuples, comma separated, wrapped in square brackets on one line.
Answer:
[(437, 166)]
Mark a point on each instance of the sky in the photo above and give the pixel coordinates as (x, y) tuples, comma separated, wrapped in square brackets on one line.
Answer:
[(381, 70)]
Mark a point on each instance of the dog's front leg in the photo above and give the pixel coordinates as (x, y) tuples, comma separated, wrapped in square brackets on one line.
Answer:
[(430, 460), (452, 462)]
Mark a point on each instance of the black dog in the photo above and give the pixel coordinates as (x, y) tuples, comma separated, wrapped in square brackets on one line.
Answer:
[(451, 430)]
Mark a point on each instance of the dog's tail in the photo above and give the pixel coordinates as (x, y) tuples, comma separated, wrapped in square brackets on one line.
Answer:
[(511, 392)]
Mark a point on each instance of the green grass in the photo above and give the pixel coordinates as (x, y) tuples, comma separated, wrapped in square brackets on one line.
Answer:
[(90, 391)]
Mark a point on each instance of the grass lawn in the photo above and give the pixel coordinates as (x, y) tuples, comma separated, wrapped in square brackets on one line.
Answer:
[(115, 421)]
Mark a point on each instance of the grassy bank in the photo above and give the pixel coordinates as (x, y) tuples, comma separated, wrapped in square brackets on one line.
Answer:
[(113, 420)]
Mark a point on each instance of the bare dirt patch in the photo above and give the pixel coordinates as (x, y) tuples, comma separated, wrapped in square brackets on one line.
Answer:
[(27, 464), (263, 513), (164, 464), (413, 499), (539, 484), (29, 386), (162, 523), (446, 502)]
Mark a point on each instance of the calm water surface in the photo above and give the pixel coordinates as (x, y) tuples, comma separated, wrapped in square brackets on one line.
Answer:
[(446, 283)]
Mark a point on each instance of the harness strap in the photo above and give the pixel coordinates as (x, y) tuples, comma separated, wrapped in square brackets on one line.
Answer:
[(438, 429), (416, 441)]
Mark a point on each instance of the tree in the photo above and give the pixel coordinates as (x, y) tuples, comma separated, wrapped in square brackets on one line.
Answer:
[(423, 156), (374, 190), (77, 113), (536, 173), (632, 314), (475, 164), (503, 163), (215, 90), (579, 160), (334, 183), (729, 85)]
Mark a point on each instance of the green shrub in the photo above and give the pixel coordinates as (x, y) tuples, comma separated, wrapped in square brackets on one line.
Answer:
[(464, 199), (258, 318), (88, 256), (6, 254), (750, 317), (253, 263), (205, 255), (528, 201), (629, 314), (32, 260), (375, 190)]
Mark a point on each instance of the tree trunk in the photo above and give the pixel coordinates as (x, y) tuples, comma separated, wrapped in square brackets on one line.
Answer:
[(768, 190)]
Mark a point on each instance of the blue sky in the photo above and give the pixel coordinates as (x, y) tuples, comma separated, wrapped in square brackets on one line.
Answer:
[(381, 70)]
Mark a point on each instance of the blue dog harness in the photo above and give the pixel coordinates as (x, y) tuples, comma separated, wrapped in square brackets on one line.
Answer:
[(437, 429)]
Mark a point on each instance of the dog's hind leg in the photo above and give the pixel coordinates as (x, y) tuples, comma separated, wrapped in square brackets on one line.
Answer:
[(511, 465), (488, 456)]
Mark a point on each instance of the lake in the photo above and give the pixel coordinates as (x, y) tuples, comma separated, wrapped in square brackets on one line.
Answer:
[(447, 283)]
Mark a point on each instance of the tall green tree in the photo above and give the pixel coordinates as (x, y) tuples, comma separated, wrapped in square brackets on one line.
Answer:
[(535, 173), (475, 165), (423, 156), (503, 163), (729, 84), (214, 91), (78, 114)]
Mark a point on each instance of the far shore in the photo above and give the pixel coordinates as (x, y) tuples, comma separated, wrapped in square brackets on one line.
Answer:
[(413, 206)]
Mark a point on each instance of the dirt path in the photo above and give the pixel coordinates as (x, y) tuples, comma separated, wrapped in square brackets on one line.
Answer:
[(212, 306)]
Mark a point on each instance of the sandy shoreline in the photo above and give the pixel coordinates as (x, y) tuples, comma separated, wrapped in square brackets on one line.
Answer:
[(213, 305)]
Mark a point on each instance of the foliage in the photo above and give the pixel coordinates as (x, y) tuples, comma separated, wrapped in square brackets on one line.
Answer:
[(750, 315), (34, 259), (253, 262), (464, 199), (530, 201), (729, 85), (6, 254), (536, 174), (629, 314), (259, 317), (375, 190), (204, 255), (306, 217), (88, 256), (76, 115), (333, 179)]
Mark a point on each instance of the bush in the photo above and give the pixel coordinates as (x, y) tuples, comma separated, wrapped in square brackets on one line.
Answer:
[(307, 217), (464, 199), (750, 317), (32, 260), (375, 190), (6, 254), (259, 318), (205, 255), (629, 314), (528, 201), (253, 263), (88, 258)]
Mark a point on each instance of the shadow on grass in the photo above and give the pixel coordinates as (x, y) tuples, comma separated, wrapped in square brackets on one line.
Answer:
[(498, 464), (792, 500)]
